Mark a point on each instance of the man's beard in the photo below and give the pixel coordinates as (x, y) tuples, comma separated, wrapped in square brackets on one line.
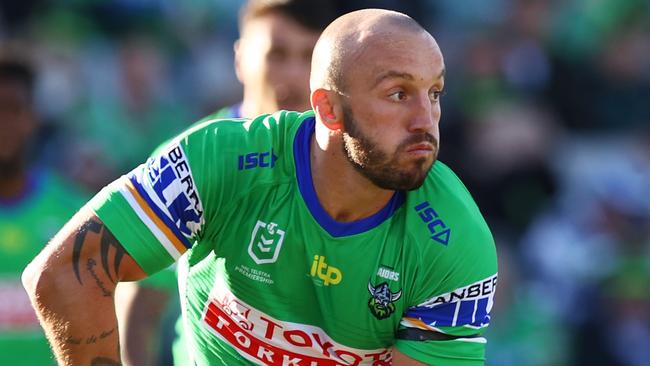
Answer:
[(384, 171)]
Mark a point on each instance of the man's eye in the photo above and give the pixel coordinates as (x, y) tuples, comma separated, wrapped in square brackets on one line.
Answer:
[(397, 96), (435, 95)]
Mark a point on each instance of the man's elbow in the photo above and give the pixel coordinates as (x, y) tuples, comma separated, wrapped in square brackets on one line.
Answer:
[(30, 277), (39, 282)]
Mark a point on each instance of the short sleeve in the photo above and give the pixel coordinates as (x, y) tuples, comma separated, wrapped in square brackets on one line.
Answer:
[(452, 292), (460, 315), (155, 211), (176, 200)]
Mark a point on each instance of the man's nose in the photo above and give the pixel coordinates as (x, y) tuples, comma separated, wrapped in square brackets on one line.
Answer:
[(423, 117)]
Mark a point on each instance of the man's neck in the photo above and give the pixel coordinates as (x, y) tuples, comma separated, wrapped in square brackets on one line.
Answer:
[(251, 109), (344, 193)]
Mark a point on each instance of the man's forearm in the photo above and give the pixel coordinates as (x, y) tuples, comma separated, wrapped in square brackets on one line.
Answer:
[(80, 332), (71, 284)]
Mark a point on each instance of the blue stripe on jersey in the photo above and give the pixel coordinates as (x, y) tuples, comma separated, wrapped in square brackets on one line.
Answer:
[(165, 219), (482, 316), (301, 149), (468, 312)]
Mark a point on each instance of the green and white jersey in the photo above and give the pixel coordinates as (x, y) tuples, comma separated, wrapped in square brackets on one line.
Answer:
[(26, 224), (271, 279)]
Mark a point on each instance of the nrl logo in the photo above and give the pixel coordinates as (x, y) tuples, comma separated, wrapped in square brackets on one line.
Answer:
[(381, 303), (266, 242)]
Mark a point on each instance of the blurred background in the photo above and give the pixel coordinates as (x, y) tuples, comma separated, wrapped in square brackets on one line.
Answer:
[(546, 118)]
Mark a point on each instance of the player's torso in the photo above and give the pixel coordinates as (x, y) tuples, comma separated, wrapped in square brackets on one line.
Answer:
[(284, 290), (274, 280)]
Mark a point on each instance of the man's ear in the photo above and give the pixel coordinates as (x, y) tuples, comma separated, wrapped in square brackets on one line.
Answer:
[(237, 50), (328, 109)]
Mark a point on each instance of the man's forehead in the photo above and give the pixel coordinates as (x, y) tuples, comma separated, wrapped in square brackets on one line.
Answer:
[(401, 60), (403, 74)]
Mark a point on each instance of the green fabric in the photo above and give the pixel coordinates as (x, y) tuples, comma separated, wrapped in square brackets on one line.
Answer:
[(265, 281), (26, 225), (115, 212)]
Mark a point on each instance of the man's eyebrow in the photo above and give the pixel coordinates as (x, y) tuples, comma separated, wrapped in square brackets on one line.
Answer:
[(394, 74)]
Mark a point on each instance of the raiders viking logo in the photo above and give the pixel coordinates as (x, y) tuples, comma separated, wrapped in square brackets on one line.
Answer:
[(382, 300)]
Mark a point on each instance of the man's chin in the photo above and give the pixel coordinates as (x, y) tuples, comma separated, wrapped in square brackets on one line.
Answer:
[(418, 181)]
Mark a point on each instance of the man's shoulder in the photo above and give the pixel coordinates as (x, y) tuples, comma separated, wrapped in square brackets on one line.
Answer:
[(443, 212), (240, 152), (445, 227), (263, 129), (444, 187)]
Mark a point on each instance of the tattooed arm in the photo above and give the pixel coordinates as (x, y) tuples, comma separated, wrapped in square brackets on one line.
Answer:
[(71, 284)]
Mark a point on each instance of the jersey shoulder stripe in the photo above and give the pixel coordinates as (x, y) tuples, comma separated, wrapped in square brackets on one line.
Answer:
[(149, 219), (179, 240), (163, 195)]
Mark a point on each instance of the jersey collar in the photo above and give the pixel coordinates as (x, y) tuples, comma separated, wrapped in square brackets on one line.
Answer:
[(301, 150)]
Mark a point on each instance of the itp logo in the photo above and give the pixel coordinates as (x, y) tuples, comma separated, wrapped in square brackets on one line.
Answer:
[(325, 272), (266, 242)]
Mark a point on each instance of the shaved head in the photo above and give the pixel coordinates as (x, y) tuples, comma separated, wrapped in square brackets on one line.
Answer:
[(376, 78), (343, 43)]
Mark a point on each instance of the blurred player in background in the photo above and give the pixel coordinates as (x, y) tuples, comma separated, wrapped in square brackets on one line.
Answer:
[(34, 202), (272, 61)]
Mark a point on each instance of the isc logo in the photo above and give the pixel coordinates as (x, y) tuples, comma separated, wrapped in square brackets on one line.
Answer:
[(254, 160), (437, 227), (329, 274)]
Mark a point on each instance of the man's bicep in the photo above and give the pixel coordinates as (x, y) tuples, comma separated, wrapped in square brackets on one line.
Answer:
[(91, 251), (445, 329)]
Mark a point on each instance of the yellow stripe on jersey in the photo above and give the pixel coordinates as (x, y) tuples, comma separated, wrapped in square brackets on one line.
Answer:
[(416, 323), (166, 237)]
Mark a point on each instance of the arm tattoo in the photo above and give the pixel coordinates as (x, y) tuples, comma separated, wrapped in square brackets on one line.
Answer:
[(107, 241), (93, 226)]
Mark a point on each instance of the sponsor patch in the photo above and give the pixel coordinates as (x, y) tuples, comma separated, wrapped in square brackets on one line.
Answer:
[(439, 231), (266, 242), (324, 272), (257, 160), (265, 340), (388, 274), (466, 306), (164, 195)]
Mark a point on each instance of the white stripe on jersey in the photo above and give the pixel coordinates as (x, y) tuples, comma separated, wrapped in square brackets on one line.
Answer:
[(148, 223)]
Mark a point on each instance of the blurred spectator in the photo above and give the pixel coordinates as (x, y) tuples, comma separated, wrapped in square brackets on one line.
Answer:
[(526, 331), (589, 254), (617, 332), (505, 164), (114, 132), (34, 202)]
